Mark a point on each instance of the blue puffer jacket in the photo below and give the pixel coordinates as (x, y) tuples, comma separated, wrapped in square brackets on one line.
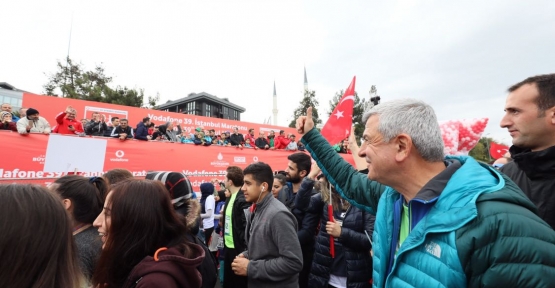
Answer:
[(356, 245), (481, 231)]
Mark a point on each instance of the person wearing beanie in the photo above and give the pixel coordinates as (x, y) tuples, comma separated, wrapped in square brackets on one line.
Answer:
[(7, 123), (207, 206), (33, 123)]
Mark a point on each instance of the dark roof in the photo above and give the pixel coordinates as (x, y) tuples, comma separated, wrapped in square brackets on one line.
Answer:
[(201, 95), (8, 86)]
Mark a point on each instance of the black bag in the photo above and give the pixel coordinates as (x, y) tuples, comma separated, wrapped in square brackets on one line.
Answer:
[(209, 267)]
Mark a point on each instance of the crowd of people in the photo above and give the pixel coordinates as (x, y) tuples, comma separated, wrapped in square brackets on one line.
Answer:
[(30, 121), (405, 216)]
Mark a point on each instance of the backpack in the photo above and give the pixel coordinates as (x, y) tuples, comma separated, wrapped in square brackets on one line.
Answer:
[(209, 267)]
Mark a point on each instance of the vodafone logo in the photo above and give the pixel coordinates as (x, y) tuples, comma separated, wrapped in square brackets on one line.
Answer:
[(119, 157), (255, 158)]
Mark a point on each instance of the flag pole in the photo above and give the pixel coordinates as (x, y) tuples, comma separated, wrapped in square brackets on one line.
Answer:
[(330, 216)]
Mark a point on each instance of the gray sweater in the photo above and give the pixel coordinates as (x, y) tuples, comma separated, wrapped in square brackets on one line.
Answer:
[(273, 247)]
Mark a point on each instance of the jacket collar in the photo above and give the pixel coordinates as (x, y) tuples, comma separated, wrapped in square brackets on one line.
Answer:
[(435, 186), (539, 164)]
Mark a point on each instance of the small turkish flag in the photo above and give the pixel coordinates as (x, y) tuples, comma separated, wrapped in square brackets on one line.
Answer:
[(497, 150), (339, 124)]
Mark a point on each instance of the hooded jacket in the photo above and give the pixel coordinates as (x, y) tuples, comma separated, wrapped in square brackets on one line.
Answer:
[(481, 231), (534, 173), (171, 269), (141, 132)]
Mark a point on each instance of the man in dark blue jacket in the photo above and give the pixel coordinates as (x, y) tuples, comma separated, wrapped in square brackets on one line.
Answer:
[(141, 133)]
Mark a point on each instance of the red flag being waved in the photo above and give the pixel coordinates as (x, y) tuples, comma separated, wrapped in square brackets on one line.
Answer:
[(339, 124), (497, 150)]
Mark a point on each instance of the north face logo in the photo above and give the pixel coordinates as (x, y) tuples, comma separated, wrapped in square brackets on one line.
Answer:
[(433, 248)]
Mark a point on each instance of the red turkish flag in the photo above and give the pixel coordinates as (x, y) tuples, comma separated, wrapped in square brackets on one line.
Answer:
[(339, 124), (497, 150)]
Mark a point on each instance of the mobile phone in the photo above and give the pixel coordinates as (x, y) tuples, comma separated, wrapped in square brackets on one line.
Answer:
[(70, 126)]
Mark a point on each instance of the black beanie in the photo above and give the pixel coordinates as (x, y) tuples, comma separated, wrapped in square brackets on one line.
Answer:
[(32, 111)]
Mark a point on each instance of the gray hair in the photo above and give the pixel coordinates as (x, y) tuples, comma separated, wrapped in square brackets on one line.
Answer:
[(414, 118)]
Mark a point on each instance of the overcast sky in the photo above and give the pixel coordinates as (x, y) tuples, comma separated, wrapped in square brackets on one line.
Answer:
[(460, 58)]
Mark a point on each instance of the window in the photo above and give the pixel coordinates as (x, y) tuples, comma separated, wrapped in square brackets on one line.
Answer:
[(190, 108), (208, 110)]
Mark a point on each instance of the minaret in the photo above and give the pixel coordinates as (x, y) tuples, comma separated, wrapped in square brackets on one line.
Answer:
[(275, 110), (305, 80)]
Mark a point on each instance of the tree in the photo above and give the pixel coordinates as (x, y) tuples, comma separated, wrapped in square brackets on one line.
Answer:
[(358, 110), (72, 81), (480, 152), (309, 100)]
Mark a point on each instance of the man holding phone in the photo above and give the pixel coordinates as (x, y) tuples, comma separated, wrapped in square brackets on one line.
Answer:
[(67, 123)]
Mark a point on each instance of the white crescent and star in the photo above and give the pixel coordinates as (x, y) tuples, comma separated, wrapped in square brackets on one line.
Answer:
[(350, 97), (338, 114)]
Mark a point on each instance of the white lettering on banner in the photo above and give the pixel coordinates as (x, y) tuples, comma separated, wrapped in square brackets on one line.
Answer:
[(255, 159), (219, 162), (164, 118), (119, 155), (39, 159), (239, 159)]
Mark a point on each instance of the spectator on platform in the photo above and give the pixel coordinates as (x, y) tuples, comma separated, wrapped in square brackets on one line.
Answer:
[(250, 136), (83, 198), (8, 108), (117, 175), (300, 146), (33, 123), (281, 141), (236, 139), (142, 130), (261, 142), (36, 246), (292, 146), (67, 123), (122, 131), (84, 122), (271, 139), (166, 132), (151, 128), (114, 122), (97, 126), (212, 134), (248, 143), (186, 138), (7, 123), (22, 112), (145, 240), (202, 139), (224, 140)]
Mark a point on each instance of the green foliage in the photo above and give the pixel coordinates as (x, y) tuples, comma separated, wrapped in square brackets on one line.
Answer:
[(72, 81), (358, 111), (309, 100), (480, 152)]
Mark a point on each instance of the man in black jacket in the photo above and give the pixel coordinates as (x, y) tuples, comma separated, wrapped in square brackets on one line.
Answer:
[(123, 131), (234, 223), (96, 126), (115, 123), (530, 119), (236, 139)]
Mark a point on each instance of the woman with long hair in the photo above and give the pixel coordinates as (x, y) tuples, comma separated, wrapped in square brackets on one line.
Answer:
[(351, 230), (144, 240), (279, 182), (36, 246), (83, 198)]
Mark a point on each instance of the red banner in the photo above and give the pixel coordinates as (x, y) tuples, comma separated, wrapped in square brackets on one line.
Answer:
[(49, 107), (24, 157)]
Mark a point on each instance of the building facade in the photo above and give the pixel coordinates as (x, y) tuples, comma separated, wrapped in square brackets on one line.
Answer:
[(204, 104), (11, 95)]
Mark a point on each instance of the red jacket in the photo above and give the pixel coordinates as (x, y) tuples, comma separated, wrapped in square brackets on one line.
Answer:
[(63, 124), (171, 269), (281, 142)]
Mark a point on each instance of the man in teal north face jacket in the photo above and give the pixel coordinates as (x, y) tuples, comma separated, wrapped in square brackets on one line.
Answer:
[(441, 221)]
